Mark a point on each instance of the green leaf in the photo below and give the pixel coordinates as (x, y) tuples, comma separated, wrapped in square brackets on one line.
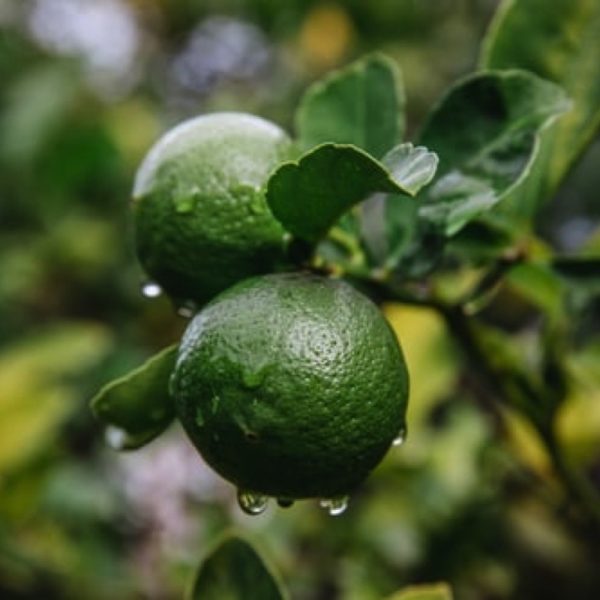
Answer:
[(485, 131), (137, 407), (387, 220), (560, 41), (435, 591), (234, 570), (581, 271), (310, 195), (38, 387), (362, 105)]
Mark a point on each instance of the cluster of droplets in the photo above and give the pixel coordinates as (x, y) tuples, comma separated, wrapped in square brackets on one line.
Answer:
[(253, 503), (151, 290)]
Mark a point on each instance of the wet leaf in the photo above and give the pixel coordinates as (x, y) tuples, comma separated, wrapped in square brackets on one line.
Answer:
[(310, 195), (485, 131)]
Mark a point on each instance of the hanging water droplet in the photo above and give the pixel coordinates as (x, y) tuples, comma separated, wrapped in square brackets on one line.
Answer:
[(400, 438), (251, 502), (116, 437), (151, 290), (285, 502), (335, 506), (187, 309)]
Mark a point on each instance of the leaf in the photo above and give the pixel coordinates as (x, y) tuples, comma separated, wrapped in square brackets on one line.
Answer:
[(36, 106), (137, 407), (435, 591), (310, 195), (581, 271), (234, 570), (387, 220), (362, 105), (559, 41), (38, 391), (413, 167), (485, 131)]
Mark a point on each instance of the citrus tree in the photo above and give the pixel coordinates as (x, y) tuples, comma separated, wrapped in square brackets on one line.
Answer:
[(281, 249)]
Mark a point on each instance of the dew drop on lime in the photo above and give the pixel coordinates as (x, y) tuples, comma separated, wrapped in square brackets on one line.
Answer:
[(400, 438), (334, 506), (252, 379), (151, 290), (252, 503), (186, 310), (285, 502)]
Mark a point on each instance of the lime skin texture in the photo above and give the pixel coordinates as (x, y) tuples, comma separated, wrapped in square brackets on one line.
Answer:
[(201, 218), (291, 385)]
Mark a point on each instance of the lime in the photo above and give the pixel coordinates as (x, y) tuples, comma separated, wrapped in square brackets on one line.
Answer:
[(201, 219), (291, 385)]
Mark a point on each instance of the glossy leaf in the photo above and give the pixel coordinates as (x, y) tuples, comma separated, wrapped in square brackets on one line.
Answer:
[(387, 220), (436, 591), (485, 131), (137, 407), (362, 105), (310, 195), (560, 41), (234, 570)]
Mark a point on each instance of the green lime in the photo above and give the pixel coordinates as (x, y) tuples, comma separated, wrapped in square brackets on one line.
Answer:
[(201, 218), (291, 385)]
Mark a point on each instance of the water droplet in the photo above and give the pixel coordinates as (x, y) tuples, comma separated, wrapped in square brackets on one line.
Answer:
[(187, 309), (253, 379), (285, 502), (335, 506), (116, 437), (184, 205), (400, 438), (151, 290), (251, 502)]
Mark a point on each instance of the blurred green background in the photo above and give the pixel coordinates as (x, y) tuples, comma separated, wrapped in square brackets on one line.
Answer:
[(85, 88)]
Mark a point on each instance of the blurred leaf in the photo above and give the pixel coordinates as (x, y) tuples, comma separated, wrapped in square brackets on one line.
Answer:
[(485, 239), (578, 421), (310, 195), (540, 285), (581, 271), (362, 105), (485, 131), (430, 357), (35, 393), (36, 106), (436, 591), (234, 570), (559, 41), (137, 407)]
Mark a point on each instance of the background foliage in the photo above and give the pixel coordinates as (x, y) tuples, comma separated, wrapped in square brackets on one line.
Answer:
[(472, 498)]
